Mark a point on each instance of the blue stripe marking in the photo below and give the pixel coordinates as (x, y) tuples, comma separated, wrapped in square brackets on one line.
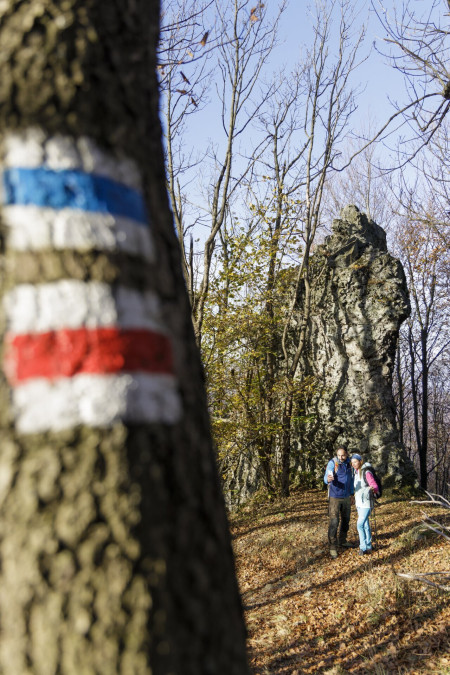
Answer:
[(74, 189)]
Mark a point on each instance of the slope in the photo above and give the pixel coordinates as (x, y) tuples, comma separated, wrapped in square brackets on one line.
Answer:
[(309, 614)]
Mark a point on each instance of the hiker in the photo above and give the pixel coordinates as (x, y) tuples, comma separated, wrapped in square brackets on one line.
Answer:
[(339, 478), (364, 485)]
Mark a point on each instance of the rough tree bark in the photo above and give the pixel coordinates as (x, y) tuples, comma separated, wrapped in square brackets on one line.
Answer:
[(114, 548)]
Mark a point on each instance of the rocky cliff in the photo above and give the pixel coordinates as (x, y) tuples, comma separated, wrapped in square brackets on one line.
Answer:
[(359, 299)]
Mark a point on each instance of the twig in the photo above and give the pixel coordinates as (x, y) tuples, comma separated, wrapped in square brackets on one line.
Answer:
[(439, 501), (440, 532), (436, 522), (426, 574), (423, 579)]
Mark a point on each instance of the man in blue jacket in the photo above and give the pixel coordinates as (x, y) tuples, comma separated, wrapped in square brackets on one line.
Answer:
[(339, 478)]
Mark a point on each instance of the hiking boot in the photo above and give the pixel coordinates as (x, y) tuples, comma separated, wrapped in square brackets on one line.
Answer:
[(333, 553), (346, 544), (361, 552)]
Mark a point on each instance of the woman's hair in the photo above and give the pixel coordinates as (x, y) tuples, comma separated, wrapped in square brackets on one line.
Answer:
[(359, 471)]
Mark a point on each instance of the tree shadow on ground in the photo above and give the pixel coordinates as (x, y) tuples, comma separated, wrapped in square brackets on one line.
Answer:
[(367, 562), (376, 656), (311, 515)]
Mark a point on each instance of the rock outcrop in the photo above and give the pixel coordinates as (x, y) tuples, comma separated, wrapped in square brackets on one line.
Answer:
[(359, 299)]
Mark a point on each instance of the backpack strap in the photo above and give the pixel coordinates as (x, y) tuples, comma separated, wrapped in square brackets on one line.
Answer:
[(368, 468)]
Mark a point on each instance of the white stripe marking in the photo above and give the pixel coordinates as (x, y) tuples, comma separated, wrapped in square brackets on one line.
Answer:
[(69, 304), (95, 400), (32, 148), (32, 228)]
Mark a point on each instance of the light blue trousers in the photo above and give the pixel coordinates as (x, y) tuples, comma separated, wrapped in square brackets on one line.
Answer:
[(363, 525)]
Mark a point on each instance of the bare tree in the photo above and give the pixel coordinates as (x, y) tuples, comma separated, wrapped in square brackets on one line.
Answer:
[(439, 434), (245, 37), (186, 37), (433, 167), (425, 259), (187, 45), (417, 37), (362, 184)]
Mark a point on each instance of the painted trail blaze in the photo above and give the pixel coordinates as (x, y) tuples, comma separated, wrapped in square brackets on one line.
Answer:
[(81, 352), (66, 353)]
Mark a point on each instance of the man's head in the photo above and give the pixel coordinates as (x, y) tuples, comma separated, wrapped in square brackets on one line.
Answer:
[(342, 454)]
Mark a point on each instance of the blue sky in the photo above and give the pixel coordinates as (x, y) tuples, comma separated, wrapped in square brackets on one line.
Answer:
[(375, 75), (378, 79)]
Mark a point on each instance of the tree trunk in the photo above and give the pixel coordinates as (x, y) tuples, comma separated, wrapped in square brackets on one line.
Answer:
[(423, 454), (401, 399), (415, 404), (286, 446), (114, 545)]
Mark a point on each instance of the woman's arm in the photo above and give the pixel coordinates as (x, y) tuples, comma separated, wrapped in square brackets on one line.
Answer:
[(371, 481)]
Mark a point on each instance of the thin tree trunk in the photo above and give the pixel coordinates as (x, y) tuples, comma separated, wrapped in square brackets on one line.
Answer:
[(286, 446), (415, 402), (115, 551), (423, 454), (401, 402)]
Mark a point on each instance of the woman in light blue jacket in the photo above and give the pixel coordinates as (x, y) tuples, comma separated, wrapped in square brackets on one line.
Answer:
[(363, 501)]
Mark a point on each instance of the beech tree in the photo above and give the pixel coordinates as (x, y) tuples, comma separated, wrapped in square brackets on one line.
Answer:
[(265, 260), (244, 36), (114, 545), (416, 40)]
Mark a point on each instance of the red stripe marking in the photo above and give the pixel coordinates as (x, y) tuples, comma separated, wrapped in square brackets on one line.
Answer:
[(65, 353)]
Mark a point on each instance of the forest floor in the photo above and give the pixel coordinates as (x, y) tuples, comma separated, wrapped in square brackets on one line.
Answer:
[(307, 613)]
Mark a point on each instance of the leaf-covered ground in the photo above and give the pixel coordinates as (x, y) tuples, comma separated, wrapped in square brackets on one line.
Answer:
[(307, 613)]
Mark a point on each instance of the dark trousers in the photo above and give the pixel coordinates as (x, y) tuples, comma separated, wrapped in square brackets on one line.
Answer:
[(339, 513)]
